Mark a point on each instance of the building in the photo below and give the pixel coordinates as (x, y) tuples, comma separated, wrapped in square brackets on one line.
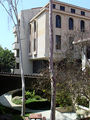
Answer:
[(69, 23)]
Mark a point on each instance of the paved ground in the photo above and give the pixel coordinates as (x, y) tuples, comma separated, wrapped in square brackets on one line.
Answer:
[(6, 101)]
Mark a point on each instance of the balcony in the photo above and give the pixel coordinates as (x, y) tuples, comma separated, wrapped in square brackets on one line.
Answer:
[(15, 46)]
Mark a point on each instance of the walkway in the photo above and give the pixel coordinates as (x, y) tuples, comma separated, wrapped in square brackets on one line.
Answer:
[(6, 101)]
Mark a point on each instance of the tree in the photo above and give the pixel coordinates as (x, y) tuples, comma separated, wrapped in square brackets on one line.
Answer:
[(7, 60), (52, 77), (12, 11)]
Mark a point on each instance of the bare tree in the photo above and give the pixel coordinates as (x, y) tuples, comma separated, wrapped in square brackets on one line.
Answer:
[(12, 11), (52, 77)]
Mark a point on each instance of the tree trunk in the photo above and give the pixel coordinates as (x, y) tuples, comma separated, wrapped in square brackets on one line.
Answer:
[(53, 81), (22, 72)]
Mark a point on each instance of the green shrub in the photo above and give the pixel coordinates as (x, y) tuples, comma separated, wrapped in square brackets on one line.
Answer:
[(63, 99), (82, 101), (29, 94), (37, 97)]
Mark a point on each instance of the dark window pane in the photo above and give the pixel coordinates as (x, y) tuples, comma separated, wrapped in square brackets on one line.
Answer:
[(30, 28), (58, 21), (54, 6), (17, 53), (71, 46), (62, 8), (39, 65), (71, 24), (83, 13), (34, 26), (34, 44), (88, 52), (58, 42), (72, 10), (17, 65), (82, 26)]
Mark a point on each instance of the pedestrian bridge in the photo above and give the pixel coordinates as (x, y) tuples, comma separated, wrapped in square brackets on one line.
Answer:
[(10, 82)]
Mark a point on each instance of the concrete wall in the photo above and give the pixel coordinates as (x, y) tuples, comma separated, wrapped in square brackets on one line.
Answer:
[(25, 17)]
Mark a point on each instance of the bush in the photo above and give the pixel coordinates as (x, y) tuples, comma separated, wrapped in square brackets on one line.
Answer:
[(82, 101), (63, 99), (29, 94)]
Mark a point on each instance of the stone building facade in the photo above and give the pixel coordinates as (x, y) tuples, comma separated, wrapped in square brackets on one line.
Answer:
[(70, 23)]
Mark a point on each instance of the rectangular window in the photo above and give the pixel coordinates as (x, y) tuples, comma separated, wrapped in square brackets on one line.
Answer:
[(58, 42), (72, 10), (88, 52), (62, 8), (71, 46), (34, 44), (34, 26), (54, 6), (17, 65), (17, 53), (83, 13), (30, 28)]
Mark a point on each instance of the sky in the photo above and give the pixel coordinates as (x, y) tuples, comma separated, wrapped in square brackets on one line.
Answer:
[(6, 25)]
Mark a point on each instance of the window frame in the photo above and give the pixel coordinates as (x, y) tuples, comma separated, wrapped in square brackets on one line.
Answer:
[(82, 26), (54, 6), (83, 13), (17, 65), (73, 10), (62, 8), (34, 47), (58, 46), (35, 26), (58, 21), (71, 24)]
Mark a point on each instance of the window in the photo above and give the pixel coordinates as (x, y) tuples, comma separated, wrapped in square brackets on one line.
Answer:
[(29, 46), (82, 26), (72, 10), (58, 21), (58, 42), (54, 6), (34, 26), (88, 52), (17, 53), (17, 65), (71, 24), (30, 28), (71, 46), (83, 13), (34, 44), (62, 8)]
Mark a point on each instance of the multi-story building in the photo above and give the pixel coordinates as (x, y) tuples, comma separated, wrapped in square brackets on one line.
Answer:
[(68, 22)]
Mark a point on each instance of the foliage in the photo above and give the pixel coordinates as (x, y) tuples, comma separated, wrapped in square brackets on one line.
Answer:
[(7, 60), (29, 94), (63, 99), (82, 101), (70, 80), (33, 101)]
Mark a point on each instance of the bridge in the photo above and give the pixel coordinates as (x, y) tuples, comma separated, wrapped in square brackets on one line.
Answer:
[(10, 82)]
